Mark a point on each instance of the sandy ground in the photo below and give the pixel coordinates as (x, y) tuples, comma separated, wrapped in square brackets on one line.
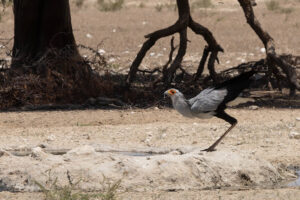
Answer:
[(262, 135)]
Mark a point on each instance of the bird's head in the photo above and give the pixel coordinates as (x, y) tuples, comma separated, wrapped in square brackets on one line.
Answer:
[(171, 92)]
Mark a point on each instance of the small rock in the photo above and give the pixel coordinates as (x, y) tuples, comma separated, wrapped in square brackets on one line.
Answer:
[(4, 153), (159, 55), (253, 107), (43, 146), (101, 52), (294, 135), (114, 30), (89, 35), (263, 50), (51, 138), (152, 54), (164, 135), (214, 128), (144, 22), (111, 60), (38, 153)]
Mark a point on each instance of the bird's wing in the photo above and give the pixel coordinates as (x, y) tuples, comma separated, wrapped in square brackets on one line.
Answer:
[(208, 100)]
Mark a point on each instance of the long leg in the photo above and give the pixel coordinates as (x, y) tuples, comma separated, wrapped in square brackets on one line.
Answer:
[(227, 118)]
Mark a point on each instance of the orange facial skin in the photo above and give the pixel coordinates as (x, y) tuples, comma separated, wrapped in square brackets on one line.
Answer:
[(171, 92)]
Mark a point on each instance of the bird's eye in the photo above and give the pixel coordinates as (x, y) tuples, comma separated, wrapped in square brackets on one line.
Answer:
[(172, 92)]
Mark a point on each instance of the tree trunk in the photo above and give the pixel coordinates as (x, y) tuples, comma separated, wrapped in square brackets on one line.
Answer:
[(40, 26)]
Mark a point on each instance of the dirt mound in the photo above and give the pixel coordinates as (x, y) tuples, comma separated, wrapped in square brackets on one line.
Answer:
[(172, 171)]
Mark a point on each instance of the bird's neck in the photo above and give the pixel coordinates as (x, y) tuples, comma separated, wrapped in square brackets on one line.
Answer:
[(181, 105)]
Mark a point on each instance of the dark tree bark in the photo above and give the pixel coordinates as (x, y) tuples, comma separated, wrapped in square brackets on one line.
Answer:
[(41, 25), (273, 59), (46, 65), (184, 21)]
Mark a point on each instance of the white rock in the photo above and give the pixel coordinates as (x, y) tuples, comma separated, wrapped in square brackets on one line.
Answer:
[(228, 61), (101, 51), (294, 135), (144, 22), (165, 49), (89, 35), (253, 107), (38, 152), (263, 50), (152, 54), (111, 60), (251, 54), (51, 138), (126, 52), (114, 30)]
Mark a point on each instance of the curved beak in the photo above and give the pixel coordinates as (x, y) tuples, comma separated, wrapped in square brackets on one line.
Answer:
[(166, 94)]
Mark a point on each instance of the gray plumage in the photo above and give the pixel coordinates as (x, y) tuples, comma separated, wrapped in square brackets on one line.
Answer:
[(202, 106), (212, 101)]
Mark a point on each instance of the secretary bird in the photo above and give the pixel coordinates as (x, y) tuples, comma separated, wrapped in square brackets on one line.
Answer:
[(212, 101)]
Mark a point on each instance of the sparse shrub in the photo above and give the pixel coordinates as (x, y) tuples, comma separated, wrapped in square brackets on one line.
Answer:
[(70, 192), (158, 7), (272, 5), (202, 4), (110, 5), (142, 5), (6, 2), (79, 3), (286, 11), (171, 6)]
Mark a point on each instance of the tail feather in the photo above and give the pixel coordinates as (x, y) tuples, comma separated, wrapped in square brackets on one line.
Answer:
[(236, 85)]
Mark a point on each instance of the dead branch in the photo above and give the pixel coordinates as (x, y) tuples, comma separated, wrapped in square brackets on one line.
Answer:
[(273, 59), (202, 63), (185, 20)]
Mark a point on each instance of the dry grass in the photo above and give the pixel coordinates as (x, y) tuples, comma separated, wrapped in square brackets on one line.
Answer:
[(272, 5), (202, 4), (79, 3), (53, 191), (110, 5)]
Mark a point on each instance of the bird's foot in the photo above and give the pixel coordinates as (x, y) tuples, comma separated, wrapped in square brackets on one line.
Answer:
[(209, 149)]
